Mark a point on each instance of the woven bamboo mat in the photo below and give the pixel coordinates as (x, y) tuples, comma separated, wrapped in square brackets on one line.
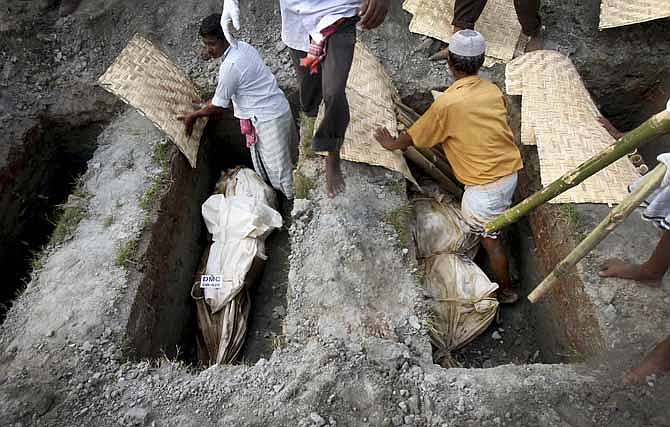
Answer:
[(559, 116), (411, 6), (498, 24), (370, 93), (617, 13), (145, 78)]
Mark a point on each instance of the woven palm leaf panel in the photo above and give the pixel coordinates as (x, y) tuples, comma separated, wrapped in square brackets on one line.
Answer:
[(559, 116), (617, 13), (145, 78)]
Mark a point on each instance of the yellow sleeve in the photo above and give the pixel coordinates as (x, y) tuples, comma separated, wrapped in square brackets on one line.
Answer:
[(431, 128)]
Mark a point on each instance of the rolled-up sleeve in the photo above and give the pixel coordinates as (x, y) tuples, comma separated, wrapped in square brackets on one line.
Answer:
[(431, 128), (229, 81)]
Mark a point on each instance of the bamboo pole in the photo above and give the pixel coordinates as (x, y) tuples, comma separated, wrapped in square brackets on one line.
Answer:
[(407, 117), (606, 226), (656, 125), (427, 166)]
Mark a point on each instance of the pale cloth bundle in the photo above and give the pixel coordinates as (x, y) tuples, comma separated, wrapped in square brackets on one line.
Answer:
[(462, 303), (440, 228), (236, 224), (239, 218)]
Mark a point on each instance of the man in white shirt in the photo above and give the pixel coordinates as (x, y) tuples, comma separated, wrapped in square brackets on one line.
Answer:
[(326, 29), (264, 112)]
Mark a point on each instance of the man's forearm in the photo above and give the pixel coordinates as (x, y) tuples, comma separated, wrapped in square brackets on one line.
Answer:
[(207, 110), (403, 142)]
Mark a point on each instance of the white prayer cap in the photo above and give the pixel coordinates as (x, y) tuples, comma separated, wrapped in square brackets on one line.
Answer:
[(467, 43)]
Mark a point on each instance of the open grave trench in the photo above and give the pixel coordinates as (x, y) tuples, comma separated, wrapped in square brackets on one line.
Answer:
[(36, 195), (162, 313), (522, 334)]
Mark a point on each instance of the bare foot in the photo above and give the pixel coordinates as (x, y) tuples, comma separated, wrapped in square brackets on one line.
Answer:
[(655, 363), (533, 44), (334, 179), (444, 53), (617, 268), (440, 55)]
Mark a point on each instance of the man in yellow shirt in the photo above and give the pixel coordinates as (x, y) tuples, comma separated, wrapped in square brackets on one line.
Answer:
[(470, 122)]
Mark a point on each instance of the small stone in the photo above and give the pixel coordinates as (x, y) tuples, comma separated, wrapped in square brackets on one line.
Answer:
[(413, 403), (300, 206), (496, 335), (609, 313), (317, 419), (414, 322), (660, 421), (403, 407), (404, 393), (136, 417)]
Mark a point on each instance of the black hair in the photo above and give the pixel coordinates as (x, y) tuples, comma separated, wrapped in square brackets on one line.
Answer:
[(469, 65), (211, 27)]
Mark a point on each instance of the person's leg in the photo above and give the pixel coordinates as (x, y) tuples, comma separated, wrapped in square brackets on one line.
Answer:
[(309, 85), (655, 363), (528, 13), (466, 14), (500, 269), (481, 204), (335, 72), (649, 273)]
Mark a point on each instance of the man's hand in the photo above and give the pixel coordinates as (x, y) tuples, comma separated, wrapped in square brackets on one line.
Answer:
[(609, 127), (189, 121), (230, 16), (373, 13), (385, 139)]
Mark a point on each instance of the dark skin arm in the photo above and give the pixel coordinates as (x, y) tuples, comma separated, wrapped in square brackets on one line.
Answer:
[(609, 127), (373, 13), (204, 111), (386, 140)]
